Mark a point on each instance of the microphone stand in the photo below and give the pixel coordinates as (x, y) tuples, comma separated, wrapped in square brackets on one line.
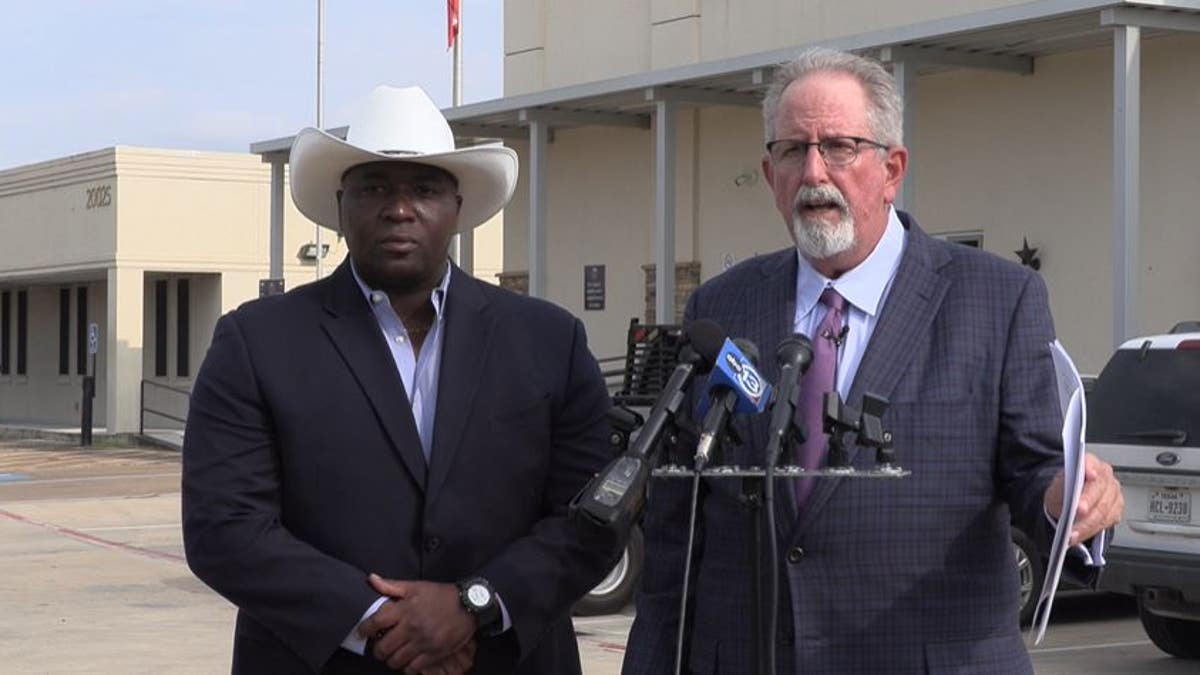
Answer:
[(766, 641), (753, 498), (839, 420), (687, 573)]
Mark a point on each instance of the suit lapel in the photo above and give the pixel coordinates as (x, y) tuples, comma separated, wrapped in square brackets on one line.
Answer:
[(355, 334), (913, 301), (468, 329)]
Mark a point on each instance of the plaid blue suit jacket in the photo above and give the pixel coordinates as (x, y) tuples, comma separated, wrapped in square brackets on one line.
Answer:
[(889, 576)]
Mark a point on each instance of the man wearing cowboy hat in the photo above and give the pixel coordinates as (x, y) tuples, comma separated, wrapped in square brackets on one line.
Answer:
[(377, 465)]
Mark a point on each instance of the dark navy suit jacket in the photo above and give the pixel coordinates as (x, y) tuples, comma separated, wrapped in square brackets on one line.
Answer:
[(889, 576), (303, 472)]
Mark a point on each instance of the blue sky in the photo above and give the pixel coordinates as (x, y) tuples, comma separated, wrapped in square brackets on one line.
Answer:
[(81, 75)]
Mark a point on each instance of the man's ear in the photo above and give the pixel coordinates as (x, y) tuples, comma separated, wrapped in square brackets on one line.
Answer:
[(338, 195), (458, 198), (895, 165), (768, 171)]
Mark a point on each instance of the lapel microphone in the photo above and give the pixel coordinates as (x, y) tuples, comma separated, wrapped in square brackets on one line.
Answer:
[(838, 339)]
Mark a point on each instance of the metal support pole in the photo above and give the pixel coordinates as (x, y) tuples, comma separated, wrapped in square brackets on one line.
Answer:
[(1127, 66), (538, 137), (277, 207), (463, 248), (664, 211), (85, 421), (320, 114), (905, 73)]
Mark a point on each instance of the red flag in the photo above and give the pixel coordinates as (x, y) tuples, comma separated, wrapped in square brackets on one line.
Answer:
[(451, 22)]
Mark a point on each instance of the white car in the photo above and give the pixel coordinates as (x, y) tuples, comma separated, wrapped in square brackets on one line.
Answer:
[(1144, 419)]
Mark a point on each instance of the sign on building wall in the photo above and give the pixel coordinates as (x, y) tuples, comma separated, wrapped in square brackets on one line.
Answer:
[(93, 338), (593, 287), (268, 287)]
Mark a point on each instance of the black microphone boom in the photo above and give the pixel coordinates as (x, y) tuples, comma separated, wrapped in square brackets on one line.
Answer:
[(703, 340), (794, 355), (613, 498)]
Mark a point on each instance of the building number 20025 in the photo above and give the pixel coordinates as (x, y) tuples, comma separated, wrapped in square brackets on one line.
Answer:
[(99, 196)]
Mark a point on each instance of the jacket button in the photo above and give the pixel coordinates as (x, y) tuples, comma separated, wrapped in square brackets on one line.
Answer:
[(795, 554), (432, 544)]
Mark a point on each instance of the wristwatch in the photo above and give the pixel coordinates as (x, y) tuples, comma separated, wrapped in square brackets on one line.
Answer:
[(478, 598)]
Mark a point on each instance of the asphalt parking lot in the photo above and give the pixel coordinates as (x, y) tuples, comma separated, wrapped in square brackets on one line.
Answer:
[(94, 580)]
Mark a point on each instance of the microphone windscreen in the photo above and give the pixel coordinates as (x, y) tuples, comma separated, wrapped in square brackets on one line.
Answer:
[(795, 349), (706, 337)]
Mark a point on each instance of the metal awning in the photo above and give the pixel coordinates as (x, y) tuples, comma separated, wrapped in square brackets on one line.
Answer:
[(1008, 39)]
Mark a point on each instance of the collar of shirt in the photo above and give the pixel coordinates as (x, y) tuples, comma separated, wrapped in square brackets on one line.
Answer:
[(864, 287), (377, 298)]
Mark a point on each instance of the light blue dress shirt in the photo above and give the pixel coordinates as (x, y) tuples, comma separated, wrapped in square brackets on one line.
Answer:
[(865, 289), (419, 372)]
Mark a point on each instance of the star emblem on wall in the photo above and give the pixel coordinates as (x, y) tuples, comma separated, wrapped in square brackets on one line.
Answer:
[(1028, 256)]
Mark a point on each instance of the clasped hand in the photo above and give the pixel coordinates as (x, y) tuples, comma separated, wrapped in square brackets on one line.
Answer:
[(422, 629)]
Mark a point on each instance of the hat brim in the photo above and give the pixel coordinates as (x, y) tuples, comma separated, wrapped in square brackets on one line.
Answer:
[(487, 176)]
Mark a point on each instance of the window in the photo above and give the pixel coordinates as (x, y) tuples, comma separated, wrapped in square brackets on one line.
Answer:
[(22, 330), (1147, 398), (5, 337), (972, 239), (160, 328), (64, 331), (182, 312), (81, 328)]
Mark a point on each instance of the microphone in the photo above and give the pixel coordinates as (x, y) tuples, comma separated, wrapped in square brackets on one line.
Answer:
[(733, 386), (838, 338), (613, 498), (794, 356)]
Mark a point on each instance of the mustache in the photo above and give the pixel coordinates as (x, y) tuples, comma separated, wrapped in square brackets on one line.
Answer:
[(810, 195)]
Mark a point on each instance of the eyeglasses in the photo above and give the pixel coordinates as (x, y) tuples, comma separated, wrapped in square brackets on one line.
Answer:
[(836, 150)]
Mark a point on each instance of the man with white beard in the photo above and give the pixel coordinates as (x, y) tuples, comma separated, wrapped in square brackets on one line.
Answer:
[(876, 576)]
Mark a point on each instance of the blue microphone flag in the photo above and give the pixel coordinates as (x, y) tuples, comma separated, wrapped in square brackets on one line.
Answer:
[(734, 370)]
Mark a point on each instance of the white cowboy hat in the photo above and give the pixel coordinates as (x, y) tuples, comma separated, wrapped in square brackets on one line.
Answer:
[(399, 125)]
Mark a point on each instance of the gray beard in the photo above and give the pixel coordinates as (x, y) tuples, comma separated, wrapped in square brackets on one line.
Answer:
[(818, 240)]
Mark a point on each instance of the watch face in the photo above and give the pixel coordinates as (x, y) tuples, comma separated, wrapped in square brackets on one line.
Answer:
[(479, 595)]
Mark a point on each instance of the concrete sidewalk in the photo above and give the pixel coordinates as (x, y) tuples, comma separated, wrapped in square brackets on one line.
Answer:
[(94, 579)]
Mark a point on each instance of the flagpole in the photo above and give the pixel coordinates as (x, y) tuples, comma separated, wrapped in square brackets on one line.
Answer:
[(458, 59), (320, 110), (465, 242)]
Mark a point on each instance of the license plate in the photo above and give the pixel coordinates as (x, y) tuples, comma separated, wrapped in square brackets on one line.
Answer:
[(1170, 505)]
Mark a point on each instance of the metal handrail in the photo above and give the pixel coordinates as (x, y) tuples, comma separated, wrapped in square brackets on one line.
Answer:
[(161, 413), (160, 385)]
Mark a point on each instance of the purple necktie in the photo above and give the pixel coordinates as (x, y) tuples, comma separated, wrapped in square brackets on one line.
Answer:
[(821, 378)]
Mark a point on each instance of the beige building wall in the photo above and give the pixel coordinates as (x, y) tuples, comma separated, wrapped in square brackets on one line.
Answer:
[(58, 225), (600, 210), (1032, 157), (42, 394), (556, 43), (57, 217), (1006, 155)]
